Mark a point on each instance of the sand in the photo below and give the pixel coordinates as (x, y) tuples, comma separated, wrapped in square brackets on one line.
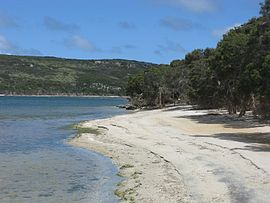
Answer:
[(182, 155)]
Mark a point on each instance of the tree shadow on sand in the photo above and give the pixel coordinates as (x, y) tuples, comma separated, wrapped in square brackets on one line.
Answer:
[(262, 140), (178, 108), (229, 121)]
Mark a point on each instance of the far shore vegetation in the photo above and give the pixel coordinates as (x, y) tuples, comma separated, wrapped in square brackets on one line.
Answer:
[(32, 75)]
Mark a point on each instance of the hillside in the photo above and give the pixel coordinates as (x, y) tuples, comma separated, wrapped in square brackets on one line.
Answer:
[(24, 75)]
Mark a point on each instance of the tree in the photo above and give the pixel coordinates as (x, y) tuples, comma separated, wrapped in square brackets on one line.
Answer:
[(263, 109), (148, 88), (265, 8), (202, 85), (235, 75), (228, 65)]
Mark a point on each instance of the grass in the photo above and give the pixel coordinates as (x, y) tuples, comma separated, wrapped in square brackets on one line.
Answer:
[(82, 130), (120, 174), (126, 166), (126, 195), (121, 184), (120, 194), (136, 174)]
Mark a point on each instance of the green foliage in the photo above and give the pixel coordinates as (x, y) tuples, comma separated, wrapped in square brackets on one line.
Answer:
[(235, 75), (153, 79), (47, 75), (265, 8), (228, 64), (135, 85), (202, 83), (153, 87), (176, 82)]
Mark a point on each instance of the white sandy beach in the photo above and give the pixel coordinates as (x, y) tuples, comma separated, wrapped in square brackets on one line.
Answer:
[(182, 155)]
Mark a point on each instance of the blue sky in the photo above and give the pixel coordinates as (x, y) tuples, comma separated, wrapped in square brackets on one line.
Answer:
[(146, 30)]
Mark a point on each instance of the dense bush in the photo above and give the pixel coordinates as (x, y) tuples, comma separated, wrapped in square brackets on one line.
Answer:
[(235, 75)]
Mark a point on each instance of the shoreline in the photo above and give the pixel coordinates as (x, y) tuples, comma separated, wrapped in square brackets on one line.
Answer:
[(182, 155)]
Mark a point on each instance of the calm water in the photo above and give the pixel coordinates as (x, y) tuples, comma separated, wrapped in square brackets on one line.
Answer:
[(35, 163)]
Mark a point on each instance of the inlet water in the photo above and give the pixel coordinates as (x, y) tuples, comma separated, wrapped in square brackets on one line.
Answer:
[(36, 164)]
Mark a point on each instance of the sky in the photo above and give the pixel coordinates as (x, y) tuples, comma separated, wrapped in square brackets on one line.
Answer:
[(157, 31)]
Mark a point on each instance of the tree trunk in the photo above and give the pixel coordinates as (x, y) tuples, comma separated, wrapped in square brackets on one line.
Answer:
[(253, 103), (160, 99), (232, 109), (242, 112), (243, 107)]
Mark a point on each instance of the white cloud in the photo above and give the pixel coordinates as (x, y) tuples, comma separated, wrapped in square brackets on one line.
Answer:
[(222, 31), (193, 5), (85, 45), (81, 43), (7, 47), (5, 44)]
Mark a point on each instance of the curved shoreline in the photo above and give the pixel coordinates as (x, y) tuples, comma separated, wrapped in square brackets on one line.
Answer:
[(168, 156)]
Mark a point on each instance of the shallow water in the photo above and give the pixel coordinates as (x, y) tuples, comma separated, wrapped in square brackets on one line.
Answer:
[(35, 163)]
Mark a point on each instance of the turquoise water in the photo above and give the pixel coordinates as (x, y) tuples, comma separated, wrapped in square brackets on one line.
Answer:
[(36, 164)]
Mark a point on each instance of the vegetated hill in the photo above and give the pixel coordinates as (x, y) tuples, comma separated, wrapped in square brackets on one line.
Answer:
[(27, 75)]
